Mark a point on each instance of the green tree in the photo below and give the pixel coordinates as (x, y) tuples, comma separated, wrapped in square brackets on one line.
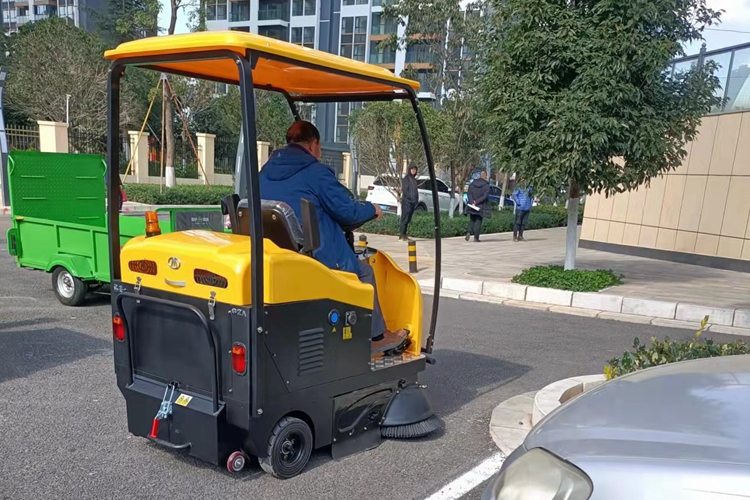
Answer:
[(386, 136), (439, 42), (51, 59), (579, 93)]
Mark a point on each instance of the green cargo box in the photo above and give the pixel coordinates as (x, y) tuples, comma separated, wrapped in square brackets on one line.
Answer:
[(58, 210)]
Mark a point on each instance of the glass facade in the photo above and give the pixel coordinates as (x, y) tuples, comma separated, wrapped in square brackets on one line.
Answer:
[(733, 73)]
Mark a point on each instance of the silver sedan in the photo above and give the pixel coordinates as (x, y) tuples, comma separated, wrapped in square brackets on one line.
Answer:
[(678, 431)]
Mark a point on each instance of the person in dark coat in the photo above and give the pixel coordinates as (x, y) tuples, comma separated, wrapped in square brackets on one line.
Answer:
[(409, 200), (479, 192), (293, 173)]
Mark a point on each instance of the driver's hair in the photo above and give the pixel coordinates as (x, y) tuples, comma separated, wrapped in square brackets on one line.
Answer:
[(302, 131)]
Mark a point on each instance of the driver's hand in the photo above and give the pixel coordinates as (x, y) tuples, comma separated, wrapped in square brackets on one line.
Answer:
[(378, 212)]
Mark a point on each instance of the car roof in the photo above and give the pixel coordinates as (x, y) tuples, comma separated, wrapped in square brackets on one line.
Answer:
[(298, 70)]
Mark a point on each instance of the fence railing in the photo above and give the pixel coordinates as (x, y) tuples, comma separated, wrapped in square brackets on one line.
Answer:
[(225, 154), (22, 138)]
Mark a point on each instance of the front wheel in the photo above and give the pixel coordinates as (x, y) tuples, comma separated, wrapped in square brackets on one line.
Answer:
[(69, 290), (289, 448), (421, 208)]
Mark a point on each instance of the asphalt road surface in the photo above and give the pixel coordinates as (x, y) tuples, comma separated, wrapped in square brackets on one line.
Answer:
[(63, 431)]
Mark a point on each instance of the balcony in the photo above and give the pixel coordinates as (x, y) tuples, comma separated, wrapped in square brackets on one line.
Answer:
[(383, 57), (239, 15), (273, 12)]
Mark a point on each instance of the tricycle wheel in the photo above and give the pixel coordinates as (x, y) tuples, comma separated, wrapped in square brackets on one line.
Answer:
[(289, 448), (70, 290), (236, 462)]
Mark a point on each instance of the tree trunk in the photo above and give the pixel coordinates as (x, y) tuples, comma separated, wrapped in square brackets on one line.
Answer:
[(168, 118), (571, 241), (169, 139)]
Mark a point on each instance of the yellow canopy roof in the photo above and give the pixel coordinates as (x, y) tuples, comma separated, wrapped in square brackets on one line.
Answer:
[(292, 74)]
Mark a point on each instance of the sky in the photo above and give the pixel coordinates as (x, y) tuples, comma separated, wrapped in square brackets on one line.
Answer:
[(736, 18)]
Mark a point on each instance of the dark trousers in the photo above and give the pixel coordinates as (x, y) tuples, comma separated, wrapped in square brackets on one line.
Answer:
[(475, 225), (522, 216), (407, 211), (367, 275)]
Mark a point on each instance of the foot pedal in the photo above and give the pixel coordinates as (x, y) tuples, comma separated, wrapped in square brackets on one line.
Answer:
[(392, 343)]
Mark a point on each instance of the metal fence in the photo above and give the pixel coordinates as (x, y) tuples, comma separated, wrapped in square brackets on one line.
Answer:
[(86, 142), (225, 154), (733, 73), (334, 159), (22, 138), (185, 161)]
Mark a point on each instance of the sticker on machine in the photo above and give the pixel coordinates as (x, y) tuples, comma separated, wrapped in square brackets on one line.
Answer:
[(183, 400)]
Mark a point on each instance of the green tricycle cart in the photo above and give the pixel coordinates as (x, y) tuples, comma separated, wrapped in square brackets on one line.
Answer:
[(58, 211)]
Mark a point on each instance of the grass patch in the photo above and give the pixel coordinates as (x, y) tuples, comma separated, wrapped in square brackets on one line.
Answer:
[(574, 280)]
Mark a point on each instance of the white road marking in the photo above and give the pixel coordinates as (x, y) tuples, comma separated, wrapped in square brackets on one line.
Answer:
[(476, 476)]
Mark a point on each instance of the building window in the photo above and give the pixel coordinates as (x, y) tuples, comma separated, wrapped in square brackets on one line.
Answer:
[(383, 25), (355, 2), (304, 36), (343, 110), (381, 56), (354, 37), (380, 3), (245, 29), (277, 32), (273, 10), (418, 53), (239, 12), (303, 7), (216, 10)]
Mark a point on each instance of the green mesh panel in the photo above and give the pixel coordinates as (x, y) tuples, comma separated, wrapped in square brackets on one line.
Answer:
[(57, 186)]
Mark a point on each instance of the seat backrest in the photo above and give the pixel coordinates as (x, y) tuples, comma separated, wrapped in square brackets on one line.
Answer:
[(280, 224)]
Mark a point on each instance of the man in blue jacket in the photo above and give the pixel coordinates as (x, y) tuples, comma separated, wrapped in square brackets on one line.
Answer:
[(293, 173), (524, 198)]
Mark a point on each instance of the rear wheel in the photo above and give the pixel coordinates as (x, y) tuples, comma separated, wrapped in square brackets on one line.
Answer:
[(70, 290), (289, 448), (421, 208)]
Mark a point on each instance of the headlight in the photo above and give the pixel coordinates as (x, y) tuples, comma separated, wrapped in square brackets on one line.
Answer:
[(539, 475)]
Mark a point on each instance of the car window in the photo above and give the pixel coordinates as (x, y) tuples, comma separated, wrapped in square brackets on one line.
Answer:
[(424, 184), (442, 187)]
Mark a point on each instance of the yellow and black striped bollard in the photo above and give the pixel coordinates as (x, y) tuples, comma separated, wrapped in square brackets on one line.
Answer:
[(412, 256)]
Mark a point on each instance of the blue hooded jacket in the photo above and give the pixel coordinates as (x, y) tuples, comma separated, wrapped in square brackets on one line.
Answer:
[(291, 174)]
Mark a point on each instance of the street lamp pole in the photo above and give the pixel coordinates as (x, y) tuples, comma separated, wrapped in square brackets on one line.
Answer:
[(67, 110)]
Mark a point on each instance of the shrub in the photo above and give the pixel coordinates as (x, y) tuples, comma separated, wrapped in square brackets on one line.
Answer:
[(671, 351), (422, 225), (575, 280), (178, 195)]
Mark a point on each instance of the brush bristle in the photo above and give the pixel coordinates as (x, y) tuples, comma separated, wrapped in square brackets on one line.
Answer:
[(409, 431)]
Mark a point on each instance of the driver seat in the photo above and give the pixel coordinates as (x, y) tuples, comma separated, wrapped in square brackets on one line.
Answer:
[(280, 223)]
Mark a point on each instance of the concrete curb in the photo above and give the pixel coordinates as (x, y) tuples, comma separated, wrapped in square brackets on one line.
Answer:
[(595, 313), (676, 314), (511, 422)]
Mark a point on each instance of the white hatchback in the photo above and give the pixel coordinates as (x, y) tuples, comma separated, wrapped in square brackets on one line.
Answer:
[(384, 194)]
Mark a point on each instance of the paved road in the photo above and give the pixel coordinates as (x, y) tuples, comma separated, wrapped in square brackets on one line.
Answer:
[(63, 432)]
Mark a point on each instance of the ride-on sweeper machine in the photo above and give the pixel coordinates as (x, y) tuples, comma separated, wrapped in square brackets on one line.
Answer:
[(234, 345)]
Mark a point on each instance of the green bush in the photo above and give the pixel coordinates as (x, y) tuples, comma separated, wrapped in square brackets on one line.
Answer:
[(575, 280), (670, 351), (422, 224), (178, 195)]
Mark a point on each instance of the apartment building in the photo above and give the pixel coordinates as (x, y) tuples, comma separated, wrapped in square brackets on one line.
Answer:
[(16, 13), (349, 28)]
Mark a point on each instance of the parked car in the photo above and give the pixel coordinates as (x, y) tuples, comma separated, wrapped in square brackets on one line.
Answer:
[(495, 195), (381, 193), (677, 431)]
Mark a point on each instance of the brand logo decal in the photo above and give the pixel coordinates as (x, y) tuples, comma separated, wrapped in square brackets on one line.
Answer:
[(174, 263)]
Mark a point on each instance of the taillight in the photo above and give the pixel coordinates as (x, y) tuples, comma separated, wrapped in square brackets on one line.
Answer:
[(239, 359), (203, 277), (143, 267), (118, 328), (370, 188)]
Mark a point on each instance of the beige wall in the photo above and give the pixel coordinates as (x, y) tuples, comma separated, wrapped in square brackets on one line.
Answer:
[(703, 207)]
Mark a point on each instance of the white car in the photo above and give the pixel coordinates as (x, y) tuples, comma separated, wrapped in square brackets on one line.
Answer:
[(384, 194)]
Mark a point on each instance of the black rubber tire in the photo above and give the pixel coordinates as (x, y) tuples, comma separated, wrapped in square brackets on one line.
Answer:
[(72, 297), (421, 208), (289, 429)]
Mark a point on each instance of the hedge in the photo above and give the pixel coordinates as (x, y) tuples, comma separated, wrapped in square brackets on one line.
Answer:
[(178, 195), (422, 224), (575, 280)]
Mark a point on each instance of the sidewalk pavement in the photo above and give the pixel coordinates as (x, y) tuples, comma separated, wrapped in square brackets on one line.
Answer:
[(651, 288)]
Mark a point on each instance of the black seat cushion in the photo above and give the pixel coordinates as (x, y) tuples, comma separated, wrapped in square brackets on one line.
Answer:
[(280, 223)]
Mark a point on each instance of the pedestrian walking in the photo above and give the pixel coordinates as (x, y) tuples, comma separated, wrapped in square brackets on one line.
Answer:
[(478, 194), (523, 196), (409, 200)]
